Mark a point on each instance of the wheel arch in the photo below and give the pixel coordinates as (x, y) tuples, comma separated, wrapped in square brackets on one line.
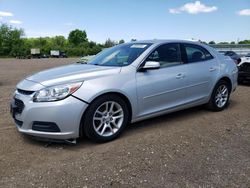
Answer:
[(123, 96), (228, 80), (211, 103)]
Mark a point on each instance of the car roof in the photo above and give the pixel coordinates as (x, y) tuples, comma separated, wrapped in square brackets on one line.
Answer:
[(160, 41)]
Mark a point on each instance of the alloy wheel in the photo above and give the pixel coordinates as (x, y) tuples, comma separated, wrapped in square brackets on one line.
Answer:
[(108, 118), (221, 96)]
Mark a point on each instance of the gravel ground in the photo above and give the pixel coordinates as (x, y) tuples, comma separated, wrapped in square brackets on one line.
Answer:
[(190, 148)]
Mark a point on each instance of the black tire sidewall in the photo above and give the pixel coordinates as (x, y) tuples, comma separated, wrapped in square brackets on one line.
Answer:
[(212, 103), (88, 127)]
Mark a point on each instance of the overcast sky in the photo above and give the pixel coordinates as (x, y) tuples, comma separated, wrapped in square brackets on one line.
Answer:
[(219, 20)]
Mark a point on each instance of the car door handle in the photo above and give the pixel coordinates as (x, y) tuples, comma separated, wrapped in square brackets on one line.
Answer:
[(180, 76), (212, 69)]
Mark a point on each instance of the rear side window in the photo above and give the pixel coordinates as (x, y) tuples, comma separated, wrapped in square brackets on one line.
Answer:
[(167, 55), (196, 53)]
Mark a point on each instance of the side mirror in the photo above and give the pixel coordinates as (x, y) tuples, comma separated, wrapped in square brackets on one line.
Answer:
[(150, 65)]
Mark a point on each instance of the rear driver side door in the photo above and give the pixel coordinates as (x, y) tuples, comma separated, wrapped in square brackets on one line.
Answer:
[(202, 71)]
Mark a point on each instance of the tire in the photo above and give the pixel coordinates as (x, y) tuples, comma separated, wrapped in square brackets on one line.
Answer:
[(218, 101), (99, 116)]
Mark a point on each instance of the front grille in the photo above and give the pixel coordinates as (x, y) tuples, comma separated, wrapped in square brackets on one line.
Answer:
[(19, 106), (25, 92)]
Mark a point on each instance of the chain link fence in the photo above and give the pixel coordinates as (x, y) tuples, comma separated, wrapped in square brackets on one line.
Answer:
[(241, 49)]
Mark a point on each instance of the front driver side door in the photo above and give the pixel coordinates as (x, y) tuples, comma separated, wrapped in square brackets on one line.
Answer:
[(163, 88)]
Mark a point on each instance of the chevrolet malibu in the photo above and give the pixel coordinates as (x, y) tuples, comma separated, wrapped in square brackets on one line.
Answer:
[(121, 85)]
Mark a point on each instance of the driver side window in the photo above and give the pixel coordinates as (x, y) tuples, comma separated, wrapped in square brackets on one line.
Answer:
[(167, 55)]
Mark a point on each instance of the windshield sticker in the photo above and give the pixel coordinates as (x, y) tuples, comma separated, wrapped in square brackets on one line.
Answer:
[(138, 46)]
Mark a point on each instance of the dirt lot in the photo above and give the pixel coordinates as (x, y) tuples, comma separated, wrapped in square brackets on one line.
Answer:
[(190, 148)]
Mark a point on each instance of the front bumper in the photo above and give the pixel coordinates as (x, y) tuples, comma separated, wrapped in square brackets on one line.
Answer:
[(65, 115)]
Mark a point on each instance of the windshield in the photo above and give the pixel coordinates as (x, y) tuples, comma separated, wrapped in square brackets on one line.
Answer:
[(120, 55)]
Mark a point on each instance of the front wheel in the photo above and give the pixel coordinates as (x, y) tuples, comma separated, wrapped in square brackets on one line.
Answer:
[(105, 118), (220, 97)]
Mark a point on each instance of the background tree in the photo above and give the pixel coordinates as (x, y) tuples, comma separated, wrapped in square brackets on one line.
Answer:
[(244, 42), (77, 37), (121, 41), (59, 41), (212, 42), (109, 43), (14, 44), (10, 40), (223, 43), (17, 43)]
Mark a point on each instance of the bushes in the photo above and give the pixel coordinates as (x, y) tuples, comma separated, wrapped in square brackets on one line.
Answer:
[(13, 43), (10, 40)]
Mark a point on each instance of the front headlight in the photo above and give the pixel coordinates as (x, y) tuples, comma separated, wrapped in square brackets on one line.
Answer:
[(56, 93)]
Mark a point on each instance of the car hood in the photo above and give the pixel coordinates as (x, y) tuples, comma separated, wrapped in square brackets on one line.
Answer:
[(72, 73)]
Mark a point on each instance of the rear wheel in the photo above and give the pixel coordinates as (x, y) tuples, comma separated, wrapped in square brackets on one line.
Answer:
[(105, 118), (220, 96)]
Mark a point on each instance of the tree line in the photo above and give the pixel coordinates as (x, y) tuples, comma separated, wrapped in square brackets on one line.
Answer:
[(240, 42), (14, 44)]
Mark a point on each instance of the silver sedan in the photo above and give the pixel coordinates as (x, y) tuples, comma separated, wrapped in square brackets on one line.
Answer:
[(121, 85)]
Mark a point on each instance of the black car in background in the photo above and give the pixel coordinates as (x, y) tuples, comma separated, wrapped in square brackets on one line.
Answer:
[(244, 69), (233, 55)]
